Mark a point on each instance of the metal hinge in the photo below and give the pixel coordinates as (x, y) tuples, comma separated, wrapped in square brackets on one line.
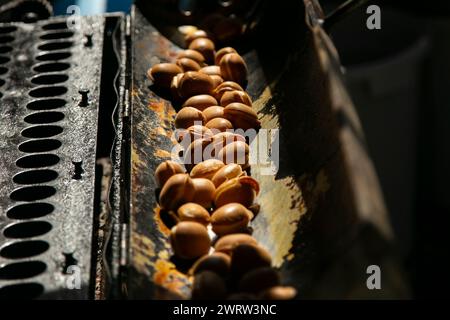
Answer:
[(124, 232), (126, 105), (128, 26)]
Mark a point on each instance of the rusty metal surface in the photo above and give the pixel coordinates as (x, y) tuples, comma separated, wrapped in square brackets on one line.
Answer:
[(322, 215), (152, 124), (44, 272)]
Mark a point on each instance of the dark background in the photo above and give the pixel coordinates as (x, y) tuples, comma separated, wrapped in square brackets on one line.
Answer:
[(398, 78)]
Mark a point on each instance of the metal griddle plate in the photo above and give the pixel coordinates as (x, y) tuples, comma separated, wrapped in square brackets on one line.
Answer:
[(322, 216), (49, 253)]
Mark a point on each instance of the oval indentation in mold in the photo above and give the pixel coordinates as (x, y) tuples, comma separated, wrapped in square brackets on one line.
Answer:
[(6, 39), (24, 249), (57, 35), (30, 210), (21, 291), (50, 78), (54, 56), (22, 270), (42, 145), (56, 26), (5, 49), (44, 117), (3, 70), (51, 67), (46, 104), (42, 131), (27, 229), (32, 193), (51, 46), (37, 161), (51, 91), (35, 176), (9, 29), (4, 59)]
